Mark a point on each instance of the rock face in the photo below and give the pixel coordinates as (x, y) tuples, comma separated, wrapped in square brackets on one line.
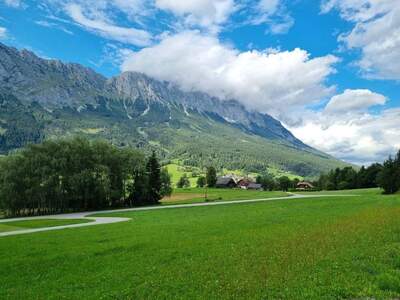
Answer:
[(134, 109), (54, 84), (48, 82), (131, 86)]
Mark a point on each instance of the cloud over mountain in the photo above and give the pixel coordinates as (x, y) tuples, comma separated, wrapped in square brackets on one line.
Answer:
[(347, 130), (266, 80)]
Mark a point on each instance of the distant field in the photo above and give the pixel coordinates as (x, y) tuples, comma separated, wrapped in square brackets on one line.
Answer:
[(20, 225), (196, 195), (321, 248), (177, 172)]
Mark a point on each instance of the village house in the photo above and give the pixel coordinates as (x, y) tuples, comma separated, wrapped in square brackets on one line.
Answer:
[(304, 186), (244, 183), (248, 184)]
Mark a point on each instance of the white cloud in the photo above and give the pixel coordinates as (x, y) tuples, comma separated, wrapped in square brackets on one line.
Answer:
[(346, 130), (3, 32), (13, 3), (272, 13), (376, 32), (102, 26), (204, 13), (283, 26), (354, 101), (269, 6), (48, 24), (263, 80)]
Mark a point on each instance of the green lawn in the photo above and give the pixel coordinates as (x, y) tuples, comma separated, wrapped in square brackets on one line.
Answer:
[(196, 195), (325, 248), (20, 225)]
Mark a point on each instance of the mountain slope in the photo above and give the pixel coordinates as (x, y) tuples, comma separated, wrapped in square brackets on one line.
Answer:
[(54, 99)]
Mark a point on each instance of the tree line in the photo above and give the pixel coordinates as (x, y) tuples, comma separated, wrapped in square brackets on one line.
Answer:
[(385, 176), (77, 175)]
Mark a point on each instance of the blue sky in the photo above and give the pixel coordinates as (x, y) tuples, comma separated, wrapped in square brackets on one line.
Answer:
[(329, 69)]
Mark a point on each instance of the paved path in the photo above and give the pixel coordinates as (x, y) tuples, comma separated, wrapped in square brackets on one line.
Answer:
[(109, 220)]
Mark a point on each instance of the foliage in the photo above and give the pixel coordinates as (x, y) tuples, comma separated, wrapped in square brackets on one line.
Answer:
[(211, 177), (19, 124), (284, 183), (201, 181), (386, 176), (267, 182), (73, 175), (389, 177), (153, 170), (183, 182), (166, 183)]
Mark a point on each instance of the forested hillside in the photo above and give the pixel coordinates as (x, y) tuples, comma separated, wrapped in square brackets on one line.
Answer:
[(45, 99)]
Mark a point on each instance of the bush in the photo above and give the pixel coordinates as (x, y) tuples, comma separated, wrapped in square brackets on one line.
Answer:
[(183, 182)]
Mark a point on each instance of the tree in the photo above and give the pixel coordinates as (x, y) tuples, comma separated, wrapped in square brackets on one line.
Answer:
[(166, 185), (267, 182), (294, 183), (201, 181), (388, 177), (183, 182), (284, 183), (211, 177), (71, 175), (153, 170), (367, 177), (138, 188)]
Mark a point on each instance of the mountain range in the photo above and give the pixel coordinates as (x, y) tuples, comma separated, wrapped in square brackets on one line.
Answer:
[(43, 99)]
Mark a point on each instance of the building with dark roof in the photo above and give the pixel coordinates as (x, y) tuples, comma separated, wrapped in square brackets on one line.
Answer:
[(225, 182)]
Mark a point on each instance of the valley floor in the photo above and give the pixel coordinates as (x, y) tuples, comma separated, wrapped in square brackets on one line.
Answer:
[(330, 247)]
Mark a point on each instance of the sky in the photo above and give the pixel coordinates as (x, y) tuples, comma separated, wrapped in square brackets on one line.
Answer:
[(329, 70)]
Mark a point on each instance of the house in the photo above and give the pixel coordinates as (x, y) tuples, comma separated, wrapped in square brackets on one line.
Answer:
[(244, 183), (248, 184), (304, 186), (254, 186), (225, 182)]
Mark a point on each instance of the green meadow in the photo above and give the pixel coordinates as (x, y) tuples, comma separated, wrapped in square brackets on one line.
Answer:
[(39, 223), (315, 248)]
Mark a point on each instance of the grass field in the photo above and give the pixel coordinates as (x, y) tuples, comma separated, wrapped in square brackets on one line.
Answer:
[(196, 195), (20, 225), (321, 248)]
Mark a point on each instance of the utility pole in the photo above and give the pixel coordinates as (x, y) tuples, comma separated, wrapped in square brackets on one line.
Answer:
[(206, 187)]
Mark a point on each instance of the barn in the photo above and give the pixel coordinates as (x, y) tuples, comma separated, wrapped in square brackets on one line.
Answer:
[(225, 182)]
